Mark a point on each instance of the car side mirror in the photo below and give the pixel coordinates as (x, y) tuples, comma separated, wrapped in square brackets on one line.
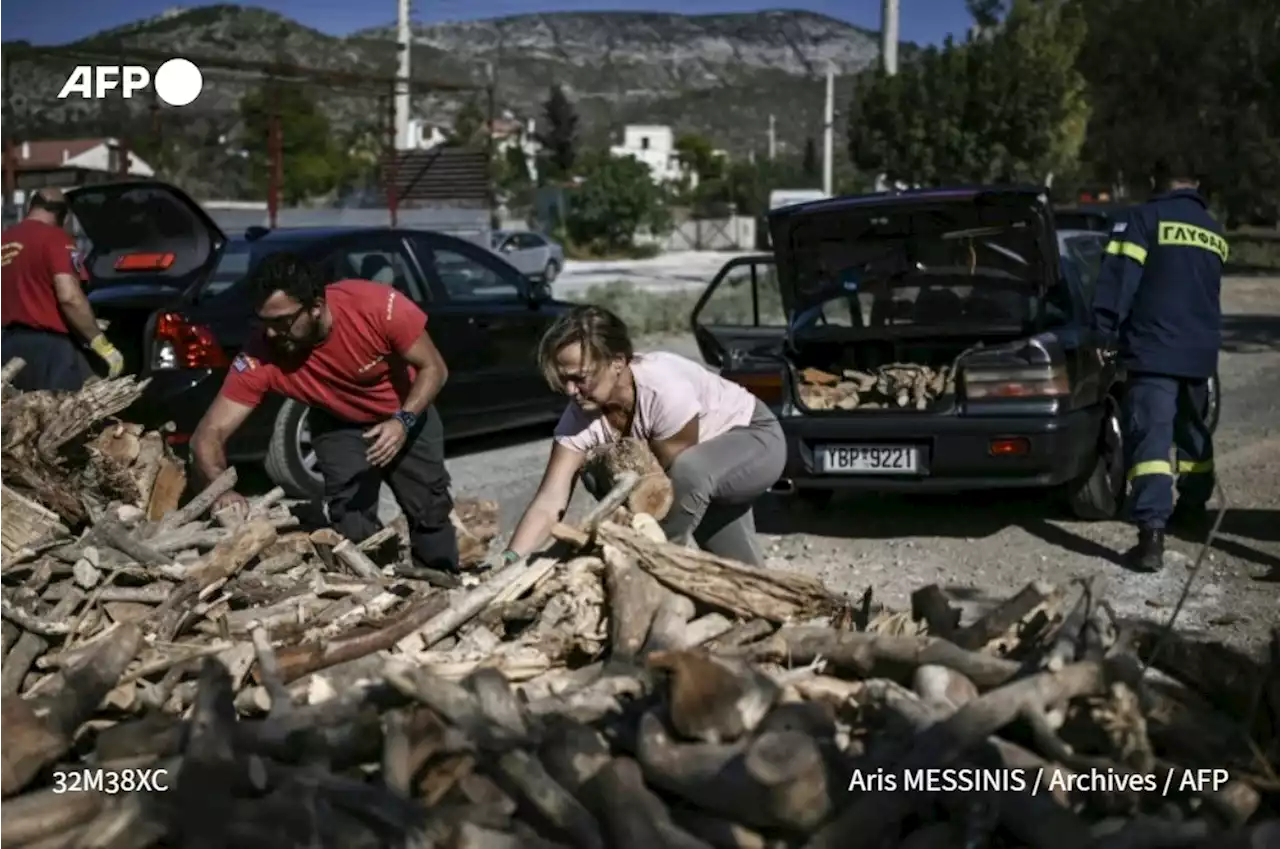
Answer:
[(539, 291)]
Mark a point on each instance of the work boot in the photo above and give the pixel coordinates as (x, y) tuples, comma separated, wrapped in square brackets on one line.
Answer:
[(1148, 554), (1191, 519)]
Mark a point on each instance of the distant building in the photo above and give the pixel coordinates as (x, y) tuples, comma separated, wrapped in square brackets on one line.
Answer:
[(31, 165), (510, 132), (424, 135), (655, 146)]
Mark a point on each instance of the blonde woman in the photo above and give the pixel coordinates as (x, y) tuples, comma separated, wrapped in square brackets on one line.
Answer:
[(721, 447)]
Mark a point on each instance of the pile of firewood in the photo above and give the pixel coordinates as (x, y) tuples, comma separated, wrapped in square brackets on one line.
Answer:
[(893, 387), (230, 681)]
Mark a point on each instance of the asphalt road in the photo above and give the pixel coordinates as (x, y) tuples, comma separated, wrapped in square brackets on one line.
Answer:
[(995, 543)]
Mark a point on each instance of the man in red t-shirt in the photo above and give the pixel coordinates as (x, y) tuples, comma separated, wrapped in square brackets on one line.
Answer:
[(358, 354), (42, 301)]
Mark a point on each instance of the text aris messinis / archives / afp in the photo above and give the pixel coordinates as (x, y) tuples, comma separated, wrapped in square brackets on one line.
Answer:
[(974, 779)]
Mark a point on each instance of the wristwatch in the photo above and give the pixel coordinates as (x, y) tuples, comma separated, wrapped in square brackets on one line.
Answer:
[(406, 418)]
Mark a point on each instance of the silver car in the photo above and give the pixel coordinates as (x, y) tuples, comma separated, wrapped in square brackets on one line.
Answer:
[(535, 256)]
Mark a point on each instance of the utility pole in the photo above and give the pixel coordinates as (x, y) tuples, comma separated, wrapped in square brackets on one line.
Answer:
[(773, 137), (889, 36), (404, 37), (828, 129)]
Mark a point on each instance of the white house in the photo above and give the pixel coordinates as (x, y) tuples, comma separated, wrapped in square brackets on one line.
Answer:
[(424, 135), (655, 146), (510, 132), (68, 162)]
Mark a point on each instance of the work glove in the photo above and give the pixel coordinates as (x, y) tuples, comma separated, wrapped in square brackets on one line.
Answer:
[(109, 354)]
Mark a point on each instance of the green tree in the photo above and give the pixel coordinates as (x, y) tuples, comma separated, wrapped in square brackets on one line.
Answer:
[(616, 198), (559, 139), (468, 122), (314, 163), (698, 154), (1200, 78), (810, 165), (1008, 105)]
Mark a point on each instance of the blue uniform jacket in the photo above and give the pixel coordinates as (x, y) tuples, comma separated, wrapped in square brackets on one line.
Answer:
[(1157, 297)]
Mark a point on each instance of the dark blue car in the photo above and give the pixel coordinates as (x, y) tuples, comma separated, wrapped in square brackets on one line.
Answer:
[(171, 286)]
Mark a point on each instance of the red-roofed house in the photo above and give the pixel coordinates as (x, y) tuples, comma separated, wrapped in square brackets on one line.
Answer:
[(67, 162)]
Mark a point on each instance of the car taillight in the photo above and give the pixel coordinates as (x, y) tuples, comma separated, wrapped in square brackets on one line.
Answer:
[(179, 344), (1034, 382)]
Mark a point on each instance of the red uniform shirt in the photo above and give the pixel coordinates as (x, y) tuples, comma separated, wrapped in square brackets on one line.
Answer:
[(358, 373), (33, 252)]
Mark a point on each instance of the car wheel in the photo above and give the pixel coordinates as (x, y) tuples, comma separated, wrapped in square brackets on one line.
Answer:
[(291, 461), (551, 272), (1213, 412), (1099, 494)]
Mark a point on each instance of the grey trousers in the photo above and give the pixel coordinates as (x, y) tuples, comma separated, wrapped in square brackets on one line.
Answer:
[(716, 484)]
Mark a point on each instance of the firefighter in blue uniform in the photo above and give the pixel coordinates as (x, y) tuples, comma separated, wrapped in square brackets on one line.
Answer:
[(1157, 304)]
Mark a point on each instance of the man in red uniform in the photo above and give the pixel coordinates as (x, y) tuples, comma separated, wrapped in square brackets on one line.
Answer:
[(42, 301), (358, 354)]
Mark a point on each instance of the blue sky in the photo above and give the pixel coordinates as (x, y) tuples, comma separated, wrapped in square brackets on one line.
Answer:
[(60, 21)]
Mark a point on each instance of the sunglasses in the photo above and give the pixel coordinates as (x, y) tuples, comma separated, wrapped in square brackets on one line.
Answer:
[(279, 323)]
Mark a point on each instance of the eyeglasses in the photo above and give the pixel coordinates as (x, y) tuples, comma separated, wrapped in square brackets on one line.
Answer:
[(279, 323)]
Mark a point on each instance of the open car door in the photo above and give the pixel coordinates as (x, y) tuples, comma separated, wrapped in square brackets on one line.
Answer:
[(739, 314), (740, 326)]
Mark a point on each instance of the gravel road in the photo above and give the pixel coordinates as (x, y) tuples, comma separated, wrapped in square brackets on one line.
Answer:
[(995, 543)]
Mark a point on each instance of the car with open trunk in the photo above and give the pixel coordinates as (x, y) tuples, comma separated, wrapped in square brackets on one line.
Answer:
[(927, 340)]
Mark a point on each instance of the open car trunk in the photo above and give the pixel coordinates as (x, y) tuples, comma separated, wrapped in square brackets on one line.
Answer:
[(887, 294), (148, 241)]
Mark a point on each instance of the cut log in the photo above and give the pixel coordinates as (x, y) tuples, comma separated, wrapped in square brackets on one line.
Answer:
[(653, 494)]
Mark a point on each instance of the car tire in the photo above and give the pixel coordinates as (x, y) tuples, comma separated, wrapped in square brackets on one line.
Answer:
[(1099, 494), (551, 272), (290, 461)]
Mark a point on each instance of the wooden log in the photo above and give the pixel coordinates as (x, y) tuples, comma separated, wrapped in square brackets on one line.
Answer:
[(930, 605), (40, 731), (653, 494), (714, 699), (670, 626), (775, 780), (734, 588), (10, 369), (196, 507), (46, 814), (634, 598), (300, 660), (872, 816), (226, 559), (633, 816), (31, 646), (1004, 616), (864, 655)]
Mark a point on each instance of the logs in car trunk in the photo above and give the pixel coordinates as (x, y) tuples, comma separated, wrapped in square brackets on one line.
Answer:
[(898, 386), (288, 688)]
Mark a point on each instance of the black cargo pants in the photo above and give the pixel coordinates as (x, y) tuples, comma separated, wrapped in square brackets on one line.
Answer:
[(53, 360), (417, 477)]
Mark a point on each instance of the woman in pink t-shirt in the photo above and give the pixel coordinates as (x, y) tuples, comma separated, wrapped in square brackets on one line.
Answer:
[(722, 448)]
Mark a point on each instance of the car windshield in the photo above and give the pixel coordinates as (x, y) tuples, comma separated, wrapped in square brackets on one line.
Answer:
[(496, 238)]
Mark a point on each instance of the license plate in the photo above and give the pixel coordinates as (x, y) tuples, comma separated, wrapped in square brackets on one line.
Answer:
[(871, 459)]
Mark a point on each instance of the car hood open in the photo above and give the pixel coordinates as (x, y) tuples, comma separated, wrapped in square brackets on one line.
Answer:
[(141, 221), (835, 248)]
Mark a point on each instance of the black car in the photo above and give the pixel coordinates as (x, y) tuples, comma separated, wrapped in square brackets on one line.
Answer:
[(972, 277), (171, 286)]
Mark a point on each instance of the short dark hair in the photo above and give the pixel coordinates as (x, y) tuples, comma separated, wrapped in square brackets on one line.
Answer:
[(601, 333), (289, 273), (1175, 167)]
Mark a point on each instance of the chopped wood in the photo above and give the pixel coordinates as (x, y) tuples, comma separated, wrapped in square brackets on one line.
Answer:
[(614, 690), (895, 386)]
